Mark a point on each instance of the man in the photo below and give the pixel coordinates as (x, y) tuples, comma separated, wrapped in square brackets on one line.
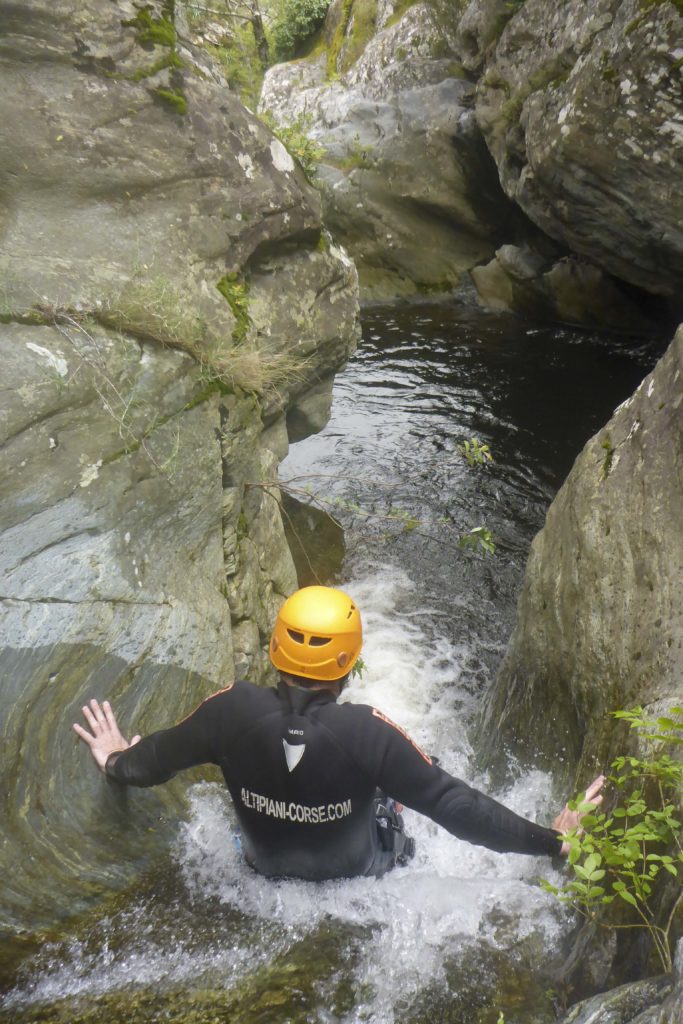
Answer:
[(304, 771)]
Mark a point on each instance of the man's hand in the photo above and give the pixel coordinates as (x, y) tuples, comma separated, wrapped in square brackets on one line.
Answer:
[(567, 820), (104, 737)]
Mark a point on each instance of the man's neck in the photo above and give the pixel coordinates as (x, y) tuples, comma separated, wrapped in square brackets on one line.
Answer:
[(330, 686)]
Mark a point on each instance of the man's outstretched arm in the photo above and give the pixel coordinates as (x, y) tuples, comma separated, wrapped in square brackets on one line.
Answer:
[(157, 757), (407, 774)]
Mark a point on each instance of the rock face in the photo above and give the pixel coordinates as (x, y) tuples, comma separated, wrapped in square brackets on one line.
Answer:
[(406, 181), (600, 628), (600, 617), (580, 106), (168, 302), (570, 289), (643, 1002)]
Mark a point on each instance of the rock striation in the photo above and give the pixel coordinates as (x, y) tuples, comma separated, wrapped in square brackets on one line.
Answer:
[(169, 303)]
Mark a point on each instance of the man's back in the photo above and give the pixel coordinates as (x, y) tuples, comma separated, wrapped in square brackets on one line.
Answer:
[(303, 772)]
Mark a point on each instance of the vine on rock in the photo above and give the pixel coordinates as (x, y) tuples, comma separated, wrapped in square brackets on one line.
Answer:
[(478, 539)]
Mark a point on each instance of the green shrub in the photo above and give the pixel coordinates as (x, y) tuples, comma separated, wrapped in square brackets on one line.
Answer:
[(620, 854), (295, 23), (294, 137)]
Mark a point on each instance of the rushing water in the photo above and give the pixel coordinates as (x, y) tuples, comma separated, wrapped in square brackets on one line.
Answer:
[(461, 933)]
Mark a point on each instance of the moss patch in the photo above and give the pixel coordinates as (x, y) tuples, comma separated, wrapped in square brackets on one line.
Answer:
[(338, 39), (400, 9), (235, 291), (358, 156), (608, 448), (550, 76), (363, 24), (168, 60), (172, 98), (160, 31), (356, 27), (153, 31)]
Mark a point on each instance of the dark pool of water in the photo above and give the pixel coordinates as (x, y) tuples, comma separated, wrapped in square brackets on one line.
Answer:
[(423, 381)]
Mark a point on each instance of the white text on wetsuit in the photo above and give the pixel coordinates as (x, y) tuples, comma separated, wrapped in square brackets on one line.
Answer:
[(295, 812)]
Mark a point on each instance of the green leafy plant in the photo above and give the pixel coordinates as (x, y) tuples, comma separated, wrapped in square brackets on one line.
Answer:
[(608, 448), (476, 453), (620, 854), (294, 24), (153, 31), (294, 137), (478, 538), (359, 667)]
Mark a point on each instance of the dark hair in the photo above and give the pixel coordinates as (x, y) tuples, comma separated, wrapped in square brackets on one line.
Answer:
[(314, 684)]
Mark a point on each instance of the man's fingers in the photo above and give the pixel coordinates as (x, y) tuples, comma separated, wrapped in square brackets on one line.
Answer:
[(594, 788), (136, 739), (109, 715), (97, 712), (83, 734), (91, 720)]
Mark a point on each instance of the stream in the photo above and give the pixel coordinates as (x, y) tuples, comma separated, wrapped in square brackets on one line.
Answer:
[(461, 934)]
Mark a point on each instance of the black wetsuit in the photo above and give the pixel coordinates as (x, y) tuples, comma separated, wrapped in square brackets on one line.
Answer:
[(303, 772)]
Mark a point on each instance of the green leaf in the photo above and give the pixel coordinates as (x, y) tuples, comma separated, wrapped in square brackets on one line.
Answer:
[(628, 897), (592, 862)]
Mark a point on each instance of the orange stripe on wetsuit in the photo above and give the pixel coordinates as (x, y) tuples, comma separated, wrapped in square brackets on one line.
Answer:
[(205, 701), (379, 714)]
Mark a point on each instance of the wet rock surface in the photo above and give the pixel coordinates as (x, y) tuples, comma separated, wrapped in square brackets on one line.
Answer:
[(167, 300), (568, 289), (651, 1001), (625, 1005)]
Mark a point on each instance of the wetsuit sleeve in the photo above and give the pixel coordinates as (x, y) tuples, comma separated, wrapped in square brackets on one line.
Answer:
[(408, 775), (157, 757)]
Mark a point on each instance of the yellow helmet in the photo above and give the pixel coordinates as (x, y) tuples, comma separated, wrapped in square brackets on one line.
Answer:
[(317, 635)]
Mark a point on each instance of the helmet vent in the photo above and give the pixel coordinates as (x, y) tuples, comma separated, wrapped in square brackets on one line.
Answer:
[(296, 636), (319, 641)]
